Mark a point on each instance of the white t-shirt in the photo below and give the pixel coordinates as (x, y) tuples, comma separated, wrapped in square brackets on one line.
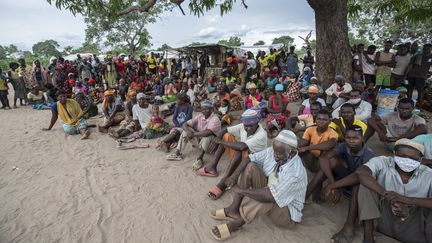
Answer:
[(369, 68), (256, 142), (143, 115), (402, 63)]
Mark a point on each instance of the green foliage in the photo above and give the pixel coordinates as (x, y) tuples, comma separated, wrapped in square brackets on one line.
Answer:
[(232, 41), (87, 47), (46, 48), (259, 43), (355, 40), (7, 50), (286, 40), (196, 43), (67, 50), (165, 46)]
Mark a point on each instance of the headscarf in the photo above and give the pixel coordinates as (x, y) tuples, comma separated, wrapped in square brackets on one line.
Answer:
[(251, 85), (140, 95), (105, 101), (279, 87), (206, 104), (131, 92), (250, 117)]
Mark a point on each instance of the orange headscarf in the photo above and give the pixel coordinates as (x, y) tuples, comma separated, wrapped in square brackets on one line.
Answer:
[(105, 101)]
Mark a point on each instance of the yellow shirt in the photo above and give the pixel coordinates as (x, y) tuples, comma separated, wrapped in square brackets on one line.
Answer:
[(151, 61), (339, 132), (272, 56), (263, 62), (3, 85)]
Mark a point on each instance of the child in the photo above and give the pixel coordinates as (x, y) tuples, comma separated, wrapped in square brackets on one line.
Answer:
[(254, 97), (4, 91), (17, 84), (170, 91), (156, 127), (313, 81), (223, 113), (313, 97)]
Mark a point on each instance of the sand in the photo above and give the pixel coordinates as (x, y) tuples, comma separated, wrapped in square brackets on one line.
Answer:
[(57, 188)]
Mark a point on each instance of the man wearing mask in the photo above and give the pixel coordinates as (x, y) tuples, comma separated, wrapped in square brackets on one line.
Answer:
[(363, 109)]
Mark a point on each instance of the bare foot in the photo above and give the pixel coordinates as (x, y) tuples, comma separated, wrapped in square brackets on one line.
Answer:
[(164, 147), (345, 235), (85, 135)]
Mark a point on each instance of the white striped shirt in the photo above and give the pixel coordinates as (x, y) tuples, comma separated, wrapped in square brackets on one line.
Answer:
[(290, 190)]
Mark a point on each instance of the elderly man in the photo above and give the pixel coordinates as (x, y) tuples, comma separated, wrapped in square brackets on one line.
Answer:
[(338, 92), (203, 128), (275, 182), (395, 195), (71, 115), (363, 109), (396, 125), (239, 141)]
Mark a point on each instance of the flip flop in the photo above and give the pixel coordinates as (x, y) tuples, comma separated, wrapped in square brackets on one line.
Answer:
[(216, 191), (202, 172), (198, 164), (174, 157), (219, 214), (223, 231)]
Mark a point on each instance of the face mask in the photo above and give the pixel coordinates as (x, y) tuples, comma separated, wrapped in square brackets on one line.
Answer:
[(406, 164), (354, 101)]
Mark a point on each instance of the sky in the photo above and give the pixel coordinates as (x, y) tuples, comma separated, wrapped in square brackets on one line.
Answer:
[(25, 22)]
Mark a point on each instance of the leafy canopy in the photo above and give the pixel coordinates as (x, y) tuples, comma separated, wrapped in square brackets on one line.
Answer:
[(232, 41)]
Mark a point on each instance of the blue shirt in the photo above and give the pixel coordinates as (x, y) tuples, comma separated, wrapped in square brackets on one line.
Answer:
[(182, 115)]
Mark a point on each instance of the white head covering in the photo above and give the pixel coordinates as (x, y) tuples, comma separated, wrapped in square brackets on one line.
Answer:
[(287, 137), (140, 95)]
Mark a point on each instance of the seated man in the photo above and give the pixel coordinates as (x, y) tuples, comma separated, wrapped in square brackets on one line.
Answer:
[(346, 118), (362, 108), (337, 93), (426, 141), (342, 164), (275, 182), (395, 195), (317, 140), (306, 120), (113, 109), (203, 127), (71, 114), (239, 141), (140, 115), (393, 126)]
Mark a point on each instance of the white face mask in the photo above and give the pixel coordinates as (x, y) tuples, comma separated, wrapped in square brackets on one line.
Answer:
[(406, 164), (354, 101)]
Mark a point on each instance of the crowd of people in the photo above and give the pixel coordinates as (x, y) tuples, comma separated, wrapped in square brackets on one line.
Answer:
[(244, 109)]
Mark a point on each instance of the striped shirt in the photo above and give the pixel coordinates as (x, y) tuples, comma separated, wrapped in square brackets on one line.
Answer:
[(290, 189)]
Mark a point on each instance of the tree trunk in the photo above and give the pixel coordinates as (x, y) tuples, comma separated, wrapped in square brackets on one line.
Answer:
[(333, 52)]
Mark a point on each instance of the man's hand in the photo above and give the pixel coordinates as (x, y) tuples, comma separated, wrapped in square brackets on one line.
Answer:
[(45, 129), (231, 181), (331, 194), (392, 139), (303, 149), (394, 197)]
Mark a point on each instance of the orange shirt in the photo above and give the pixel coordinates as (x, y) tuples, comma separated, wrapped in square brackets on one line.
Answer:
[(311, 134)]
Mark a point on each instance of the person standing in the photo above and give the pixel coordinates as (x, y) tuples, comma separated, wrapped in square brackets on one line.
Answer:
[(418, 71), (368, 64), (402, 59), (292, 63), (385, 60)]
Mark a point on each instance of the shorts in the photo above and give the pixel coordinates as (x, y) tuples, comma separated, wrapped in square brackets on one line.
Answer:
[(417, 83), (75, 129), (383, 80), (311, 162), (396, 80)]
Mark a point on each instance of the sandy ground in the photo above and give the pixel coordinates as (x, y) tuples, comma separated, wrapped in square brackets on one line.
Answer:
[(56, 188)]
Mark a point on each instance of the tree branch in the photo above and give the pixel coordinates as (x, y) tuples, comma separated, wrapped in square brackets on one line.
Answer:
[(145, 8), (244, 4)]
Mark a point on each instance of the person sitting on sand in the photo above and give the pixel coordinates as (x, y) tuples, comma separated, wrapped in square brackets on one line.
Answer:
[(314, 82), (317, 140), (363, 109), (338, 92), (254, 97), (304, 120), (182, 113), (37, 100), (338, 167), (393, 126), (71, 114), (113, 109), (169, 91), (312, 93), (203, 128), (278, 111), (127, 126), (275, 182), (156, 127), (346, 118), (200, 94), (395, 195), (238, 141), (86, 103)]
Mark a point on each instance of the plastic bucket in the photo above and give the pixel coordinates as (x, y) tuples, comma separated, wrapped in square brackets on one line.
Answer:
[(387, 100)]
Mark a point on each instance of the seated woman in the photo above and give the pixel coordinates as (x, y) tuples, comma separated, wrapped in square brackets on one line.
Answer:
[(278, 112), (86, 104), (170, 91), (183, 113), (113, 109), (313, 97), (127, 126), (254, 98), (71, 114), (200, 93), (236, 99), (37, 100)]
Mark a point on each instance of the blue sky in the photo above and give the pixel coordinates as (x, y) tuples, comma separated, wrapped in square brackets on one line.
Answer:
[(25, 22)]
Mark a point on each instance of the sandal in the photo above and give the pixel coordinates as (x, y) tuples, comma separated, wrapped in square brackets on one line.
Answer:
[(198, 164), (219, 214), (174, 157), (202, 172), (223, 231), (215, 193)]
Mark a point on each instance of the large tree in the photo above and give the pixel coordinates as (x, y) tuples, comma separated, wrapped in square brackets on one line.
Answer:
[(286, 40), (259, 43), (46, 48)]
